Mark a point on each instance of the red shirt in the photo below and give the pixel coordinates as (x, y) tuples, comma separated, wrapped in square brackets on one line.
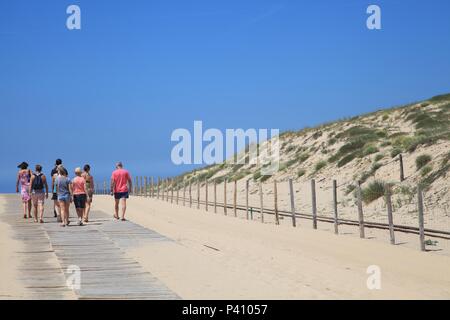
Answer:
[(120, 178), (78, 184)]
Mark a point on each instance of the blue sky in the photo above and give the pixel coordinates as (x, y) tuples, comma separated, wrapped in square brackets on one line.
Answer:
[(137, 70)]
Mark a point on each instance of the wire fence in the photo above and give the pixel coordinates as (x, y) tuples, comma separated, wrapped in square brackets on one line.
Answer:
[(393, 209)]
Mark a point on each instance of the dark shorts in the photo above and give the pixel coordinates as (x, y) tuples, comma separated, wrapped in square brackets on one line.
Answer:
[(80, 201), (121, 195), (55, 196)]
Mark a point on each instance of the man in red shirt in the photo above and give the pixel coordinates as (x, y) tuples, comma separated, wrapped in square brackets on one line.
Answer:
[(120, 184)]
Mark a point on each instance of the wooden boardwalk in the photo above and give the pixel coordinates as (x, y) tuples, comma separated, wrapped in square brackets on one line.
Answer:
[(98, 249)]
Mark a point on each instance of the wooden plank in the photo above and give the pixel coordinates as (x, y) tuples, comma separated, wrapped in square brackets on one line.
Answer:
[(291, 192), (402, 173), (215, 196), (335, 207), (190, 195), (225, 196), (314, 203), (275, 195), (261, 207), (360, 210), (390, 217), (206, 194), (157, 188), (235, 198), (97, 249), (198, 194), (421, 220), (246, 198)]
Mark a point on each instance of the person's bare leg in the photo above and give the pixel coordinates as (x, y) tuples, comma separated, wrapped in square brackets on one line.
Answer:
[(25, 208), (62, 209), (61, 214), (58, 210), (35, 211), (67, 208), (87, 210), (80, 213), (41, 212), (124, 207), (116, 208), (29, 208)]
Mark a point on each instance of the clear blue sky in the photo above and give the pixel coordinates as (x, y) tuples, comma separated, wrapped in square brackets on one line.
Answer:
[(116, 89)]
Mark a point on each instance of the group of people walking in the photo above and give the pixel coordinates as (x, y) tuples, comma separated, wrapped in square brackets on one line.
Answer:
[(34, 189)]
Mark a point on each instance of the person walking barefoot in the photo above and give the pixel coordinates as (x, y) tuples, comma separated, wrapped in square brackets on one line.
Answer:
[(64, 192), (89, 189), (79, 195), (120, 184), (23, 178), (37, 184), (53, 175)]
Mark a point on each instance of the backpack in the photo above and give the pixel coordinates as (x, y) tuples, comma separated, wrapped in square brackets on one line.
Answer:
[(38, 184)]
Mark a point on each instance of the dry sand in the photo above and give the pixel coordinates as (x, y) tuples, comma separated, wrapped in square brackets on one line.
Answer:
[(221, 257), (10, 288), (213, 256)]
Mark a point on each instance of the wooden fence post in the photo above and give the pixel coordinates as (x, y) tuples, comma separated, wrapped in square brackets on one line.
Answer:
[(190, 194), (235, 198), (335, 207), (184, 194), (314, 203), (206, 194), (104, 187), (225, 196), (151, 187), (275, 194), (390, 217), (146, 187), (178, 194), (215, 196), (291, 191), (159, 182), (402, 174), (167, 189), (198, 193), (360, 211), (421, 219), (171, 191), (261, 202), (142, 187), (246, 198)]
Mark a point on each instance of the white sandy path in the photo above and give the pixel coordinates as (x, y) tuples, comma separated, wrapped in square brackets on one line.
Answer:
[(264, 261), (10, 288)]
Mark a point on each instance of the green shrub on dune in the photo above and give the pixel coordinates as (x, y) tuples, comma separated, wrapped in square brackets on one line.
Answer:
[(373, 191), (422, 160)]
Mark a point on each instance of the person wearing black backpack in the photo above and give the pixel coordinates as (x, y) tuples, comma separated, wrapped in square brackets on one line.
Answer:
[(37, 184)]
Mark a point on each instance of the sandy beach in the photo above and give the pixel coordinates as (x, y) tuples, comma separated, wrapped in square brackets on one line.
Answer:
[(221, 257), (10, 288), (212, 256)]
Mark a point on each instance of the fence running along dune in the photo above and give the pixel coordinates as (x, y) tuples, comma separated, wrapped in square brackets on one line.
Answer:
[(278, 201)]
